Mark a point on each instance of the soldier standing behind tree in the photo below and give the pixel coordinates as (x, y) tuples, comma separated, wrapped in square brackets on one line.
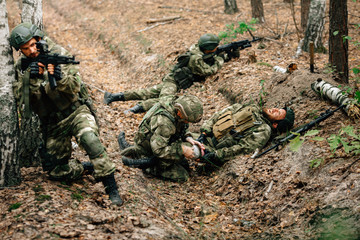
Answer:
[(193, 66), (63, 111)]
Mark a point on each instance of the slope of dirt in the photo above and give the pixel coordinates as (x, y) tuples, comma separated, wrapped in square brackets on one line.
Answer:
[(277, 196)]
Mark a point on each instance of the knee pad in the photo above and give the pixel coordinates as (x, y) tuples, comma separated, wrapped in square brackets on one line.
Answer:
[(92, 145)]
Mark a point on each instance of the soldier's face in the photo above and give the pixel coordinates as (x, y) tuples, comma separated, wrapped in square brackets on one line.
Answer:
[(275, 114), (29, 49)]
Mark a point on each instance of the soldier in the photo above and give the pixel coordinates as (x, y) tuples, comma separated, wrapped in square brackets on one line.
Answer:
[(193, 66), (163, 140), (63, 111), (241, 129)]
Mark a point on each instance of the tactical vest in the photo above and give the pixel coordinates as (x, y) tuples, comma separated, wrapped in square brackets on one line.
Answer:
[(239, 121), (143, 136), (182, 73)]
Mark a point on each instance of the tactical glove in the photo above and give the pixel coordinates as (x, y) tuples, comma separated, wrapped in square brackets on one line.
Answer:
[(57, 73), (34, 70), (224, 56), (202, 137)]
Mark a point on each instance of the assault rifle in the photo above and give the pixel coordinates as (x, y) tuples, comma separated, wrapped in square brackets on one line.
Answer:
[(45, 57), (306, 127)]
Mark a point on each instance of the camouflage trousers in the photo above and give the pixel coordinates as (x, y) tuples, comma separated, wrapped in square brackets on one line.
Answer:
[(164, 169), (58, 144), (150, 95)]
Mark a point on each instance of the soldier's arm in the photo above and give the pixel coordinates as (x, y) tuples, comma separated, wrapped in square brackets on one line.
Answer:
[(257, 138), (199, 67), (159, 141), (70, 81)]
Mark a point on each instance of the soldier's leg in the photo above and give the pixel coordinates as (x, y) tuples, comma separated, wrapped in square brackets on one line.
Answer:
[(173, 172), (86, 132), (57, 155), (143, 94)]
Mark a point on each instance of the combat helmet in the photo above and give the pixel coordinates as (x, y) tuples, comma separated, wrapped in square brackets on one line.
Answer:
[(190, 107), (208, 41), (287, 123), (23, 33)]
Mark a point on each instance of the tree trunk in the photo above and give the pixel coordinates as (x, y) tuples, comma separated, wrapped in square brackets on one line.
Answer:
[(230, 7), (257, 10), (9, 165), (305, 7), (32, 12), (30, 133), (338, 46), (315, 26)]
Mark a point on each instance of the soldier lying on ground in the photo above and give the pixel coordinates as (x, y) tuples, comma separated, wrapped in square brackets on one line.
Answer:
[(63, 111), (241, 129), (163, 135), (237, 129), (193, 66)]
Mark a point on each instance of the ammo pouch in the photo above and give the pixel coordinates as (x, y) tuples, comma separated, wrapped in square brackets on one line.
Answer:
[(239, 122)]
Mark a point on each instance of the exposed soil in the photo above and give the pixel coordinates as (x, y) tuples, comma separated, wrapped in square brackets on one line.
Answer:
[(277, 196)]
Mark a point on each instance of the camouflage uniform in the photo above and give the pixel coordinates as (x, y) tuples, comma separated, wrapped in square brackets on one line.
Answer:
[(63, 114), (169, 86), (245, 142), (161, 134)]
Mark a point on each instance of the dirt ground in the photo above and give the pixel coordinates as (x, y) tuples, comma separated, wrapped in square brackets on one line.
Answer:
[(277, 196)]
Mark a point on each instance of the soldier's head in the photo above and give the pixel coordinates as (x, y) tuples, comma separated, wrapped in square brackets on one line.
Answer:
[(208, 42), (282, 119), (24, 37), (188, 108)]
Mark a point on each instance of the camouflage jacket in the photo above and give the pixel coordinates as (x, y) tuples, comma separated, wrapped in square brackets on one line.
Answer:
[(161, 133), (245, 142), (52, 106), (198, 66)]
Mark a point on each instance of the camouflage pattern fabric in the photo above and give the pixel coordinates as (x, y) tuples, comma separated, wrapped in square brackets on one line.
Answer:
[(161, 135), (169, 85), (231, 145), (62, 116)]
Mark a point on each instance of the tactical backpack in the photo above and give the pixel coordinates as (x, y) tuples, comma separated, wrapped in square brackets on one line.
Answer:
[(239, 122), (182, 73)]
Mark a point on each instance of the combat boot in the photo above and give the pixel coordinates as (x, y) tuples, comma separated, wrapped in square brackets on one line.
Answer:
[(88, 167), (122, 141), (141, 163), (111, 189), (112, 97), (135, 109)]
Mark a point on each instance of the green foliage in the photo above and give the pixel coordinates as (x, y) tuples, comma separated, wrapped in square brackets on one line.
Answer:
[(315, 163), (346, 138), (43, 198), (265, 64), (14, 206), (233, 30), (296, 142), (77, 197)]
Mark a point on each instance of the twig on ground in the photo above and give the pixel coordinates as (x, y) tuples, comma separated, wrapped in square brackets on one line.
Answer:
[(191, 10), (165, 19)]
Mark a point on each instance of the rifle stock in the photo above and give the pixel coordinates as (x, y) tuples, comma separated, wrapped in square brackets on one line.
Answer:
[(306, 127)]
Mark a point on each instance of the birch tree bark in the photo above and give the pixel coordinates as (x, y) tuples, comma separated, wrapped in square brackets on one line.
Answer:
[(334, 94), (230, 7), (315, 26), (30, 133), (9, 165), (338, 46), (32, 12), (257, 10)]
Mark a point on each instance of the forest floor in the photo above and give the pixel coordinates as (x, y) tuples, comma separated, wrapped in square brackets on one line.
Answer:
[(277, 196)]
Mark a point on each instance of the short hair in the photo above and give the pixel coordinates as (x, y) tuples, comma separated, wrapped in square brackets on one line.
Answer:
[(287, 123)]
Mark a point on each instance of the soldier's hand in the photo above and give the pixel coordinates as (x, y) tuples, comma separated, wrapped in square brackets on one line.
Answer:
[(188, 152), (36, 69), (197, 143), (224, 56)]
